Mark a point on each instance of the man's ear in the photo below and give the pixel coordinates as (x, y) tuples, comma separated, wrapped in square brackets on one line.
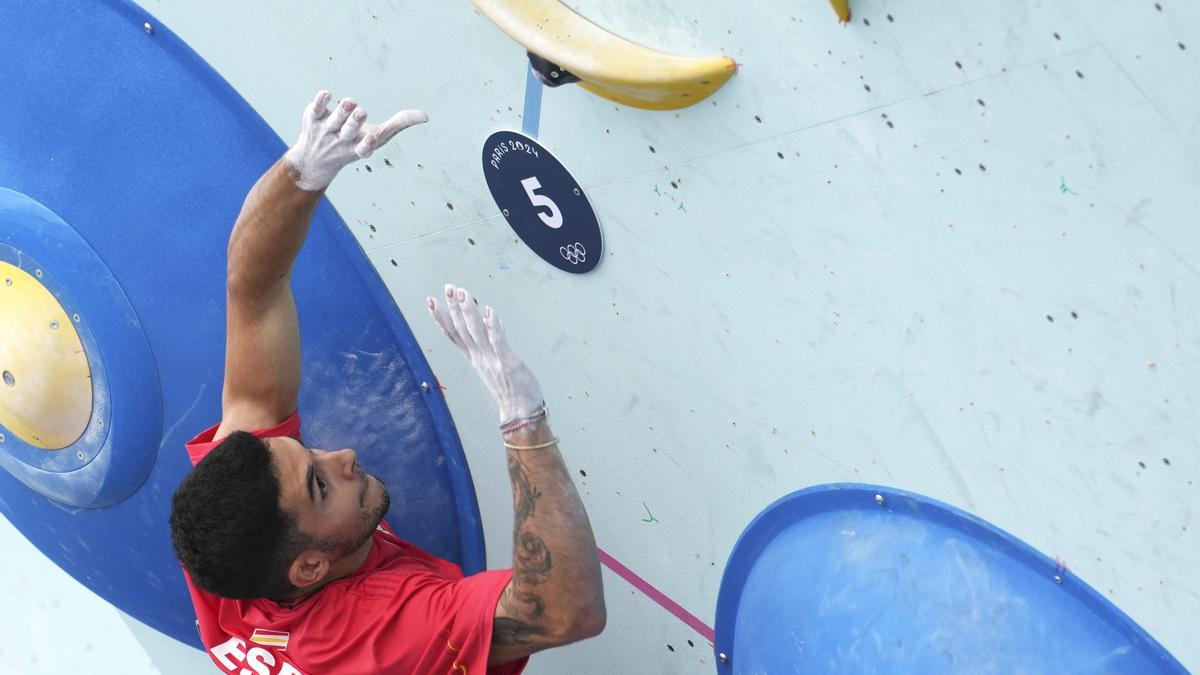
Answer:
[(310, 567)]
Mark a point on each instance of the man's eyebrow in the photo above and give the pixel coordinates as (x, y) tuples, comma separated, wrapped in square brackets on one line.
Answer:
[(312, 476)]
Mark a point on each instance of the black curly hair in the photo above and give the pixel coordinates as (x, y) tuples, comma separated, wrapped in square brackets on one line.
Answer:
[(227, 526)]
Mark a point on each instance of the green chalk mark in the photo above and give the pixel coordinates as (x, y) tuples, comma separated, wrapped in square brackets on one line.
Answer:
[(652, 519)]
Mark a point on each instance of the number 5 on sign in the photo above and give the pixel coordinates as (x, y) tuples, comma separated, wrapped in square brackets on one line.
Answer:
[(541, 201), (555, 219)]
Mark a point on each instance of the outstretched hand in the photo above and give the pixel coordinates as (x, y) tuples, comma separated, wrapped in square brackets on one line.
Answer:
[(331, 140), (481, 337)]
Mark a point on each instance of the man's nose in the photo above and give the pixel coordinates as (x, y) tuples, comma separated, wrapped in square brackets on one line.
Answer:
[(346, 459)]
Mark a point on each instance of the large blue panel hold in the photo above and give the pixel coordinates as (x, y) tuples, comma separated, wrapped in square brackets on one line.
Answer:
[(116, 451), (125, 143), (862, 579)]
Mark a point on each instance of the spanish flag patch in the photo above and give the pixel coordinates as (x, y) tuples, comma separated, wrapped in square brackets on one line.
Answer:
[(270, 638)]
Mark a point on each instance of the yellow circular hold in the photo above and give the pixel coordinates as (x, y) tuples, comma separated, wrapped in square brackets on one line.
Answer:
[(45, 379)]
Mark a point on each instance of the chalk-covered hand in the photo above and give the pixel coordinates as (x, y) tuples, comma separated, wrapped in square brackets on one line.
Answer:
[(331, 140), (481, 337)]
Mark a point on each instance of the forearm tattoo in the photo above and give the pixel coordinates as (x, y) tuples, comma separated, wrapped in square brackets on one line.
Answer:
[(532, 560), (508, 631), (526, 494)]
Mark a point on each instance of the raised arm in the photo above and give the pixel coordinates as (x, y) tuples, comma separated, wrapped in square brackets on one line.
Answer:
[(262, 348), (556, 595)]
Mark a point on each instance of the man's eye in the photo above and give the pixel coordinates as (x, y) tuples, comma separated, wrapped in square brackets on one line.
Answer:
[(321, 486)]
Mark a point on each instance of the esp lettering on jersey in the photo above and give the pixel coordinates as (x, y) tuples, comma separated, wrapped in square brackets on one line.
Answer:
[(234, 657)]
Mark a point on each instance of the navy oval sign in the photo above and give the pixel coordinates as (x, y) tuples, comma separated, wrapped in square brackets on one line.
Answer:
[(542, 202)]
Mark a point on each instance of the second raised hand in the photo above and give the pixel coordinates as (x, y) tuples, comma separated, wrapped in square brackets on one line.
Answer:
[(480, 336), (331, 140)]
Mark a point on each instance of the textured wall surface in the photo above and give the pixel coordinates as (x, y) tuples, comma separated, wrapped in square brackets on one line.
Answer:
[(950, 247), (54, 625)]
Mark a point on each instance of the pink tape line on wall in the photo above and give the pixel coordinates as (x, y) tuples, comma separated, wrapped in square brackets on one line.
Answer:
[(656, 595)]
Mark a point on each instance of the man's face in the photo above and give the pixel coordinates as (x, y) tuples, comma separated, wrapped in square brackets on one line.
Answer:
[(332, 499)]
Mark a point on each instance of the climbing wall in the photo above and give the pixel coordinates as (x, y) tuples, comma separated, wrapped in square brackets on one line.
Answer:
[(948, 247)]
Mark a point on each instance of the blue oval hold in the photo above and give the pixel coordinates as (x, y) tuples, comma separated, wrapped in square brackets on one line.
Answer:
[(848, 578), (146, 155), (116, 450)]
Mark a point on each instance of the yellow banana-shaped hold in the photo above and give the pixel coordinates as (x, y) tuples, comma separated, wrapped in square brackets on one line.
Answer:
[(842, 9), (608, 65)]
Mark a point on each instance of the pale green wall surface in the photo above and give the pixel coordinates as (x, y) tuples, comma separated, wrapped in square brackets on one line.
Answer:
[(798, 286)]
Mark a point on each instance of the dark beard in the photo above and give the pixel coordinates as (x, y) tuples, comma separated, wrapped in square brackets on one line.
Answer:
[(385, 503), (346, 544)]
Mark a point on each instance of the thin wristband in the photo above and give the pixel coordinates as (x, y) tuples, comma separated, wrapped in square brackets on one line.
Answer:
[(539, 446), (519, 422)]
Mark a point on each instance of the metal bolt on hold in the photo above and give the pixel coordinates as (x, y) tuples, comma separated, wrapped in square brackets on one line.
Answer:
[(879, 499), (79, 456), (505, 212), (723, 656), (1, 438), (100, 422), (53, 325), (424, 386), (8, 282), (37, 273), (1057, 579), (148, 27), (75, 318), (576, 192)]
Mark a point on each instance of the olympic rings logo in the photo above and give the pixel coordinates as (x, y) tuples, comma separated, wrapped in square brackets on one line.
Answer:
[(573, 253)]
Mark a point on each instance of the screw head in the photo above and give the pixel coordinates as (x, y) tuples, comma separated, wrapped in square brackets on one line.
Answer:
[(576, 192), (37, 273), (75, 318), (149, 28), (1, 438), (100, 423), (1057, 579), (79, 455), (879, 499), (505, 212), (8, 282), (53, 325), (424, 386), (723, 656)]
